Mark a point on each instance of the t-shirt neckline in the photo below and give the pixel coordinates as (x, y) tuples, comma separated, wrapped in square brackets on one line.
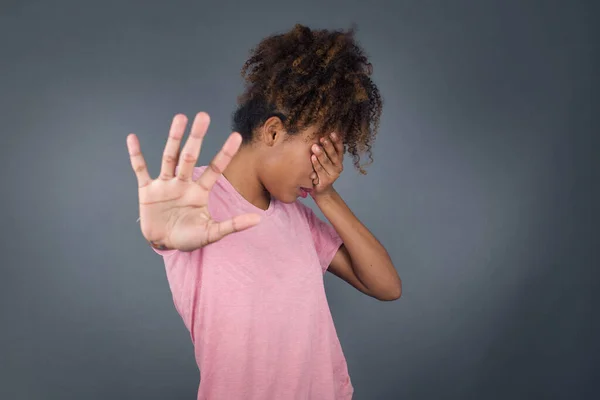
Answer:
[(247, 205)]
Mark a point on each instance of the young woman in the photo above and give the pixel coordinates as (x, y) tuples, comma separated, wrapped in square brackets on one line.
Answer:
[(244, 258)]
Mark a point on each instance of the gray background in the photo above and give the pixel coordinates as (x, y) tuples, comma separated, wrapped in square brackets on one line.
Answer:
[(480, 191)]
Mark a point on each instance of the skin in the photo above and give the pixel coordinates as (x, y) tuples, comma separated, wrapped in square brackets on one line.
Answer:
[(277, 165), (274, 164), (174, 212)]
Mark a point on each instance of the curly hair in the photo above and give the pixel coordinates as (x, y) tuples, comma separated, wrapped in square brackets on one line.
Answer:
[(311, 78)]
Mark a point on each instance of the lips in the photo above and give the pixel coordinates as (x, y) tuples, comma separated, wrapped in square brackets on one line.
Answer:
[(304, 192)]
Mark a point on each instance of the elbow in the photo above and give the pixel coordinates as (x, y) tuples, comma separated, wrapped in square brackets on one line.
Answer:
[(393, 294)]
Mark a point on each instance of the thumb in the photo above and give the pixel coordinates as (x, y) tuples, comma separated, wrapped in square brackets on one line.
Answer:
[(218, 230)]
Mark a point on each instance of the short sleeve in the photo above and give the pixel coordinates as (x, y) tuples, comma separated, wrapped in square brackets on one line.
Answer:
[(181, 270), (326, 239), (164, 253)]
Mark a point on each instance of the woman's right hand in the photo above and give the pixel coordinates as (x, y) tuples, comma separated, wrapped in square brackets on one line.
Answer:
[(174, 208)]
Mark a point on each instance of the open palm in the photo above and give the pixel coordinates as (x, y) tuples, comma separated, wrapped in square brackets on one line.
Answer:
[(174, 208)]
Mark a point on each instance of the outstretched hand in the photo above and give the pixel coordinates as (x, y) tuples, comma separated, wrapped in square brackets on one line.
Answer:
[(174, 208)]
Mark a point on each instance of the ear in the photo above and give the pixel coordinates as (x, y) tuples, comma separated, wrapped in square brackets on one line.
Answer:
[(272, 131)]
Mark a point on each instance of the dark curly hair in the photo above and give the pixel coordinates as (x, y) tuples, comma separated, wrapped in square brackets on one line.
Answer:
[(311, 77)]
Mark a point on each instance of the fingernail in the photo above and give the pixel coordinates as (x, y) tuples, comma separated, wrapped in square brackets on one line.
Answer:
[(333, 135), (315, 148)]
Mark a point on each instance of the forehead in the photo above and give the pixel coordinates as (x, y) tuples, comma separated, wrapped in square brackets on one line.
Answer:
[(312, 135)]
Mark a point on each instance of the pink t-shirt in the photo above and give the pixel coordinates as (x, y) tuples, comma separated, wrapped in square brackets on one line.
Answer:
[(255, 305)]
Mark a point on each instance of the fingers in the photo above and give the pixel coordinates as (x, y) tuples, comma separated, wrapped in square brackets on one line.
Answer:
[(191, 149), (314, 178), (218, 230), (137, 161), (328, 158), (220, 162), (338, 144), (320, 160), (330, 150), (318, 167), (171, 152)]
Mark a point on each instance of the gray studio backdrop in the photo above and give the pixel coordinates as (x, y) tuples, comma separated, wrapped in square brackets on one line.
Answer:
[(477, 191)]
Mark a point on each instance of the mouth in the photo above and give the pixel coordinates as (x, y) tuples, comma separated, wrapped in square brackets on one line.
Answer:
[(304, 192)]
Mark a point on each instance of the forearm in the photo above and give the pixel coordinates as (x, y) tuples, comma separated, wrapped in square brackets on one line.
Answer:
[(370, 260)]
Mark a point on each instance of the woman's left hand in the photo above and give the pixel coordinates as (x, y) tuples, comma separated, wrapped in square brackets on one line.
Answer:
[(327, 160)]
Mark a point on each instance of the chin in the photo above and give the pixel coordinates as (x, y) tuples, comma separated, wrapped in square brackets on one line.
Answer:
[(288, 199)]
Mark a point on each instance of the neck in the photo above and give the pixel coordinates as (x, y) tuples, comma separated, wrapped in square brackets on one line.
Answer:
[(242, 173)]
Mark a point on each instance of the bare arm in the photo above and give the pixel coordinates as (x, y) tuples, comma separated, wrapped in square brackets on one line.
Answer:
[(362, 261)]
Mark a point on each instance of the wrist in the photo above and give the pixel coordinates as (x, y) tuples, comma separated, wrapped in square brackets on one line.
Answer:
[(325, 197), (156, 245)]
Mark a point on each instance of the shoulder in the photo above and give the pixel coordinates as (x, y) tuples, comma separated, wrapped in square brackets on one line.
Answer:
[(299, 210)]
